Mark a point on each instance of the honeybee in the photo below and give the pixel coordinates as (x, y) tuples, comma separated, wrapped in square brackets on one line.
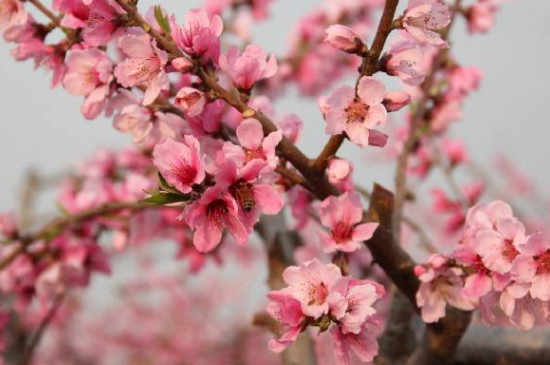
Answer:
[(245, 196)]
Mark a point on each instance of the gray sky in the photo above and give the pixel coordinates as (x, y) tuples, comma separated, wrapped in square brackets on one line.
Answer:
[(44, 129)]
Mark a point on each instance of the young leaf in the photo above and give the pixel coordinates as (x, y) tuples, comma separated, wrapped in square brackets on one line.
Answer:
[(162, 20), (163, 198), (165, 186)]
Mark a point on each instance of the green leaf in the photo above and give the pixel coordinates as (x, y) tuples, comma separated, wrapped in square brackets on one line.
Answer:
[(62, 210), (162, 198), (165, 186), (162, 20)]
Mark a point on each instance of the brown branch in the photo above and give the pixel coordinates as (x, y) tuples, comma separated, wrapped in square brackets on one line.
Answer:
[(398, 340), (55, 19), (331, 147), (58, 225), (370, 62), (292, 177), (37, 336), (387, 253), (484, 345), (441, 339), (47, 12)]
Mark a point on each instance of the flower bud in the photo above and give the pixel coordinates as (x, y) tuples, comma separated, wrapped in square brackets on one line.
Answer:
[(182, 64), (344, 39), (396, 100), (191, 100)]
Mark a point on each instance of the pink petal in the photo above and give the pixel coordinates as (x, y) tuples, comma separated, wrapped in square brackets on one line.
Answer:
[(250, 134), (371, 91), (364, 231)]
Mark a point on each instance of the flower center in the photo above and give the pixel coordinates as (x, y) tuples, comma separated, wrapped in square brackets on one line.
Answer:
[(543, 263), (253, 154), (509, 251), (356, 112), (342, 232), (317, 294), (216, 210), (479, 267), (183, 171), (146, 68)]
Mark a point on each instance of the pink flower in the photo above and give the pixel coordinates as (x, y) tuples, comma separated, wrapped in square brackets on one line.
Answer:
[(136, 120), (291, 125), (102, 22), (143, 67), (146, 127), (423, 19), (89, 73), (481, 15), (12, 13), (199, 36), (252, 196), (191, 100), (19, 277), (462, 81), (343, 215), (310, 284), (343, 38), (180, 163), (287, 311), (86, 70), (485, 216), (8, 225), (357, 115), (75, 13), (249, 67), (498, 247), (214, 212), (339, 173), (406, 61), (363, 345), (533, 266), (78, 259), (182, 64), (253, 144), (454, 150), (439, 284), (355, 305)]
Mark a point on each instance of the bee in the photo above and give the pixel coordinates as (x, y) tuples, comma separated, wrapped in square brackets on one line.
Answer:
[(245, 196)]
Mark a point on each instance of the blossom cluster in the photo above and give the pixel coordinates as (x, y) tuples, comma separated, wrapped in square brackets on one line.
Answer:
[(213, 156), (318, 295), (497, 268)]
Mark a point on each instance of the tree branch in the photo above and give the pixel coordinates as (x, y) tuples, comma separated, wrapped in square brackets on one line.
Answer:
[(368, 68)]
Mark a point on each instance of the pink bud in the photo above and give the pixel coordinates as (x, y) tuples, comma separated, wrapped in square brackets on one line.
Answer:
[(343, 38), (8, 225), (182, 64), (419, 270), (191, 100), (396, 100)]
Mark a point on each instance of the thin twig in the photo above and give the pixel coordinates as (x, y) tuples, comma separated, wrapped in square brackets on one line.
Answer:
[(37, 336), (368, 68), (58, 225)]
